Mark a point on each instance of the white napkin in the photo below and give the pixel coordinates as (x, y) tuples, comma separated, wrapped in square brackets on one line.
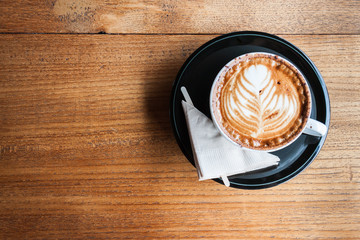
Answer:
[(216, 156)]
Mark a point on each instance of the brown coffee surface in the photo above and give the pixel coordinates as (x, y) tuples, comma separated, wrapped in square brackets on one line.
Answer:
[(261, 101)]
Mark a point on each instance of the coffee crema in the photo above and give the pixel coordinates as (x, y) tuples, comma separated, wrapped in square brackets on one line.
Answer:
[(261, 101)]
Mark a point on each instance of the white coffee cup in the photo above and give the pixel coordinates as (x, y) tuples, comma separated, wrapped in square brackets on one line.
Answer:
[(312, 126)]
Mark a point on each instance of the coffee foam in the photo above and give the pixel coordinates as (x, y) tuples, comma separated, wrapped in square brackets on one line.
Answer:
[(261, 101)]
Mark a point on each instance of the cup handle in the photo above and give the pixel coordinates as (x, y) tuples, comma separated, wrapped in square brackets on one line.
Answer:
[(315, 128)]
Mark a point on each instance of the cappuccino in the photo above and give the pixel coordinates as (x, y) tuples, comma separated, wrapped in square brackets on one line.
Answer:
[(260, 101)]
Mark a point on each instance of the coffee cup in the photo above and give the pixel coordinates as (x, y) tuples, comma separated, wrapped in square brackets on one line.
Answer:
[(262, 102)]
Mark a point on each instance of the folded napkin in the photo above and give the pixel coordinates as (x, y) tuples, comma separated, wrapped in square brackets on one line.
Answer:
[(216, 156)]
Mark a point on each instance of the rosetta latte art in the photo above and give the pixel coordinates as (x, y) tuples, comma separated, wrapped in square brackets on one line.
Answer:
[(251, 100), (261, 103)]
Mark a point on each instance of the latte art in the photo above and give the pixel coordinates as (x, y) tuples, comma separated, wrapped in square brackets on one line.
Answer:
[(261, 102), (252, 99)]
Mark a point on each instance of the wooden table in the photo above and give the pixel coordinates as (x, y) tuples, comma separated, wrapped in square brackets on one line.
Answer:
[(87, 151)]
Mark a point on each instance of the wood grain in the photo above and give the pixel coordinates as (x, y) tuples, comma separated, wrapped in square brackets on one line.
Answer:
[(175, 16), (87, 150)]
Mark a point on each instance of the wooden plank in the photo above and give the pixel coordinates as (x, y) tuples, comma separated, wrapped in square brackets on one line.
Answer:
[(206, 16), (86, 148)]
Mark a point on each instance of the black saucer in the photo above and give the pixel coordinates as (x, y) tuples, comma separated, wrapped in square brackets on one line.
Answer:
[(197, 75)]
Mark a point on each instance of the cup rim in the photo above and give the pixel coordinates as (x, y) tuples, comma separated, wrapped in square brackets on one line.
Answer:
[(230, 64)]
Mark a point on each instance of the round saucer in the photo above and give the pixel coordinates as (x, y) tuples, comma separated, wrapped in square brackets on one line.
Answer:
[(197, 75)]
